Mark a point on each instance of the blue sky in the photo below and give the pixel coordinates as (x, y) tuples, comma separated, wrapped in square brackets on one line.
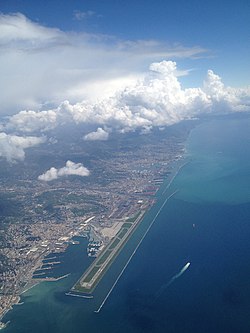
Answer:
[(223, 27)]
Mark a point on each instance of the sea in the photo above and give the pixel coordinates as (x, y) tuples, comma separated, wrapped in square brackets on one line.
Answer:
[(191, 271)]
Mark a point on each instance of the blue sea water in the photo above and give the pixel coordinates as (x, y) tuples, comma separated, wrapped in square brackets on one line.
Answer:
[(206, 223)]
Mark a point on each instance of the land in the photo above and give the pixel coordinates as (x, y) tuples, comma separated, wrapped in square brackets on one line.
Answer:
[(39, 219), (94, 273)]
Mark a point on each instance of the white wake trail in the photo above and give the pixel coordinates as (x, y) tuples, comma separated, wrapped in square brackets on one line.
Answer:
[(176, 276), (181, 271)]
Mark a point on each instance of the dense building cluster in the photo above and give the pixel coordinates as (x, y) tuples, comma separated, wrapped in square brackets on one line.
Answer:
[(51, 213)]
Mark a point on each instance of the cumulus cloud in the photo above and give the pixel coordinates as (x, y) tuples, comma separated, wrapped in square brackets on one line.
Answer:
[(59, 65), (31, 121), (99, 135), (70, 168), (155, 100), (12, 146)]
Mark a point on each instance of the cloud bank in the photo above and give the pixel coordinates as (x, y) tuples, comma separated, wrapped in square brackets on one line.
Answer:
[(155, 100), (70, 168), (96, 80), (12, 146)]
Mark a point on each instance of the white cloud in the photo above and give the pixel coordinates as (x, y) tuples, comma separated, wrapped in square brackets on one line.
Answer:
[(31, 121), (12, 146), (20, 33), (99, 135), (70, 168), (155, 100), (44, 66)]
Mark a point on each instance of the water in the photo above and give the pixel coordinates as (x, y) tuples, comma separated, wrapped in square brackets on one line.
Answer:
[(206, 223)]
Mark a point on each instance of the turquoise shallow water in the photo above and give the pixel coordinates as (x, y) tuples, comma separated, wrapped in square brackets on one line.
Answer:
[(207, 223), (220, 163)]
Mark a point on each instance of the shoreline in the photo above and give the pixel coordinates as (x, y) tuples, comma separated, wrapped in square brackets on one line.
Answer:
[(149, 227), (135, 250), (30, 286), (81, 285), (32, 283), (9, 308), (175, 175), (3, 325), (103, 268)]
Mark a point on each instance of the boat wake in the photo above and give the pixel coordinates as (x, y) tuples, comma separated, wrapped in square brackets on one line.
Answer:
[(176, 276)]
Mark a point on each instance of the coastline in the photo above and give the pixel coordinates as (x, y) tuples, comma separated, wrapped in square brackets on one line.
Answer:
[(15, 300), (3, 325), (150, 225), (110, 259), (83, 285), (175, 169), (175, 175), (135, 250), (31, 284), (185, 231)]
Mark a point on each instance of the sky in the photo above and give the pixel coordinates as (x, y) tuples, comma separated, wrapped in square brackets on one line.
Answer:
[(120, 65)]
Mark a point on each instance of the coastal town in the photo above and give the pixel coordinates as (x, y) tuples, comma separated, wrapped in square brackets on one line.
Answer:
[(121, 189)]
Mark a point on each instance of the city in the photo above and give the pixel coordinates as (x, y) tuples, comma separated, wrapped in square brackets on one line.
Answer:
[(121, 189)]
